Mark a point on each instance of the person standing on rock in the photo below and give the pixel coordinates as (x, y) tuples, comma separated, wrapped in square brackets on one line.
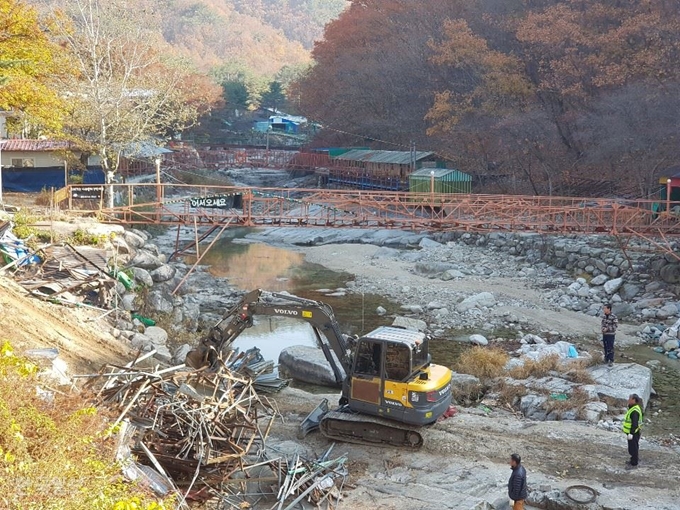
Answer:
[(631, 427), (517, 485), (609, 325)]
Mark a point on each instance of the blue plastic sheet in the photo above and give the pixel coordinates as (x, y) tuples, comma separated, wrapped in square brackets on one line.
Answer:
[(32, 180)]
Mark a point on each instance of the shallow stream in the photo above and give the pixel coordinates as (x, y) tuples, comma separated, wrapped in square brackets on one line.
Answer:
[(260, 266)]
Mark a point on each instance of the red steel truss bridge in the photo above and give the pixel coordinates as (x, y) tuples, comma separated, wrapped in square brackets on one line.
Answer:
[(215, 206)]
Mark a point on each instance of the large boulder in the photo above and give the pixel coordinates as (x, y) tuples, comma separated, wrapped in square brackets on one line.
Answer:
[(481, 300), (671, 344), (129, 301), (162, 353), (478, 339), (141, 341), (142, 276), (428, 243), (160, 301), (666, 311), (451, 274), (622, 309), (432, 268), (180, 354), (619, 381), (385, 252), (670, 273), (307, 364), (599, 280), (163, 273), (145, 260), (612, 286), (133, 239), (531, 406), (158, 336), (535, 352), (120, 246), (407, 323), (594, 411), (628, 291), (532, 339)]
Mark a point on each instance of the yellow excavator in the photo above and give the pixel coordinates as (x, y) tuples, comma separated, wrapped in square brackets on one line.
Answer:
[(390, 388)]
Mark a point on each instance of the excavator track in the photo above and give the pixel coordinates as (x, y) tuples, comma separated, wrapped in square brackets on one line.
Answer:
[(368, 430)]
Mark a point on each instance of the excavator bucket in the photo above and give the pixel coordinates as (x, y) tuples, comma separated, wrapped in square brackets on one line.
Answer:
[(313, 419), (197, 358)]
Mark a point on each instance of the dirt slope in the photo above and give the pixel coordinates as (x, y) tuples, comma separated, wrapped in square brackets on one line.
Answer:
[(83, 341)]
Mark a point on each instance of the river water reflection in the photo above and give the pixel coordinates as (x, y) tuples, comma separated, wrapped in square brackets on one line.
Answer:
[(260, 266)]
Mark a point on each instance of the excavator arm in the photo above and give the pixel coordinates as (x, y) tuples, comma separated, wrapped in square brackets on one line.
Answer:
[(258, 302), (376, 407)]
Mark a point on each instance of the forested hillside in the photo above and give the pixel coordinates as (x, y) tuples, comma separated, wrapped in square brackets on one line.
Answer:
[(299, 20), (262, 36), (545, 95)]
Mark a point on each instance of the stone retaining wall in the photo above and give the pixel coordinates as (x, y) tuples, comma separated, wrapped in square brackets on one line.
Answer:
[(639, 282)]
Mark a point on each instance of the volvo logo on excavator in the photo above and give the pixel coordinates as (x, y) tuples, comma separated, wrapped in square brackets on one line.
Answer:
[(282, 311)]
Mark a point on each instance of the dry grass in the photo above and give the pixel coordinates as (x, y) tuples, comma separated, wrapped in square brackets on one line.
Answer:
[(579, 376), (482, 362), (510, 393), (56, 452), (44, 198), (467, 394), (539, 368), (577, 399)]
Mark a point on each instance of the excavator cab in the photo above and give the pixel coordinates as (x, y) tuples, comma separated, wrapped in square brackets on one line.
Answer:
[(392, 377)]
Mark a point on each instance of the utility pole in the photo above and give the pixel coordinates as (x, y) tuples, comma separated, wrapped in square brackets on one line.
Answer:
[(413, 156)]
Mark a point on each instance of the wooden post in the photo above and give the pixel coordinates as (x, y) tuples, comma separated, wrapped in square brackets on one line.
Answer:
[(158, 180), (668, 195), (198, 253), (432, 189)]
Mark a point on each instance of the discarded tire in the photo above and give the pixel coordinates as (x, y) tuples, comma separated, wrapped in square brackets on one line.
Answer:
[(581, 494)]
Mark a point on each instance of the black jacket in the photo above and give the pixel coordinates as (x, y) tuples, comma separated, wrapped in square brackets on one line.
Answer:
[(517, 485)]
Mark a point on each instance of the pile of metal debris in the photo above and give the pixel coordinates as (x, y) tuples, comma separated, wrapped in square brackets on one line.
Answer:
[(203, 434), (13, 251), (60, 273), (70, 275)]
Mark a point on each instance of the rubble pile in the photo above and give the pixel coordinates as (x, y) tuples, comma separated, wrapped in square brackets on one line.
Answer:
[(203, 432), (69, 275)]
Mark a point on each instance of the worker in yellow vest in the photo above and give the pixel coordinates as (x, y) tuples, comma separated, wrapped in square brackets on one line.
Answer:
[(631, 427)]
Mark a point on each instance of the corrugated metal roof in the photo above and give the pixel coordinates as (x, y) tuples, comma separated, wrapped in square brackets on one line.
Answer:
[(33, 145), (426, 173), (395, 157), (143, 150)]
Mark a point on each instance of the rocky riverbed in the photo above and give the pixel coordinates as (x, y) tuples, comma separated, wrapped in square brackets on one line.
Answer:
[(506, 289)]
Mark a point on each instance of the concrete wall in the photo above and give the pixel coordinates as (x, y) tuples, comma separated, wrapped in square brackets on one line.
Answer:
[(40, 159)]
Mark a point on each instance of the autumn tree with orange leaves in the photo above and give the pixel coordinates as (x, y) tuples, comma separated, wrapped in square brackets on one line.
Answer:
[(535, 94)]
